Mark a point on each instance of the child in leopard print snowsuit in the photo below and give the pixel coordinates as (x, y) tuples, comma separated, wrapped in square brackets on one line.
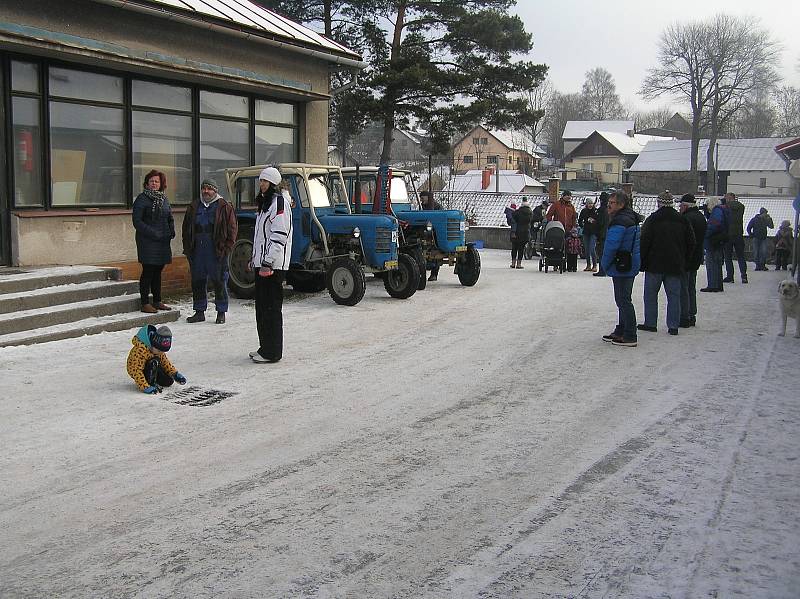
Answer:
[(148, 364)]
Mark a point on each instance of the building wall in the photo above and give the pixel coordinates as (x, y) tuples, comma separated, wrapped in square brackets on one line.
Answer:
[(598, 165), (480, 154), (136, 44), (778, 183)]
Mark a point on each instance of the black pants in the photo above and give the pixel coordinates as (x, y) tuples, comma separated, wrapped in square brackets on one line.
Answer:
[(572, 262), (155, 375), (517, 248), (269, 314), (150, 281), (781, 259)]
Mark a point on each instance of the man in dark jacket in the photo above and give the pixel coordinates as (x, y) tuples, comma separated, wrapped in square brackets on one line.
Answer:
[(694, 259), (602, 228), (521, 232), (667, 240), (757, 230), (735, 238), (209, 232)]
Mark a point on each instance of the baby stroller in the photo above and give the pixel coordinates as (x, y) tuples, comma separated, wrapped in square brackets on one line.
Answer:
[(552, 237)]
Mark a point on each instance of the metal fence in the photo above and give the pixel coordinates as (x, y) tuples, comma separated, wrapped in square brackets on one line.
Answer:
[(487, 209)]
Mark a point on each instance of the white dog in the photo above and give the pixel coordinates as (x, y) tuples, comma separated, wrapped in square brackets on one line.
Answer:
[(790, 304)]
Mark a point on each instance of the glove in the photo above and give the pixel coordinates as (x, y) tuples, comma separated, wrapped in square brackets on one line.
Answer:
[(180, 379), (151, 390)]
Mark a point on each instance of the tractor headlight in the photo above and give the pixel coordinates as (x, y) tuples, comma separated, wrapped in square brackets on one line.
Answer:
[(428, 227), (356, 232)]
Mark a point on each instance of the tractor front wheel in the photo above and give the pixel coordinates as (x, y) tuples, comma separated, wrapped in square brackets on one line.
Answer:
[(469, 269), (346, 282), (403, 281)]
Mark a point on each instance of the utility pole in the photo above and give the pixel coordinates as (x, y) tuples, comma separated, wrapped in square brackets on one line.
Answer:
[(716, 168), (497, 174)]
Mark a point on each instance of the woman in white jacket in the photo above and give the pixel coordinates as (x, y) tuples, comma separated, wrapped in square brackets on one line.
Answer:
[(272, 251)]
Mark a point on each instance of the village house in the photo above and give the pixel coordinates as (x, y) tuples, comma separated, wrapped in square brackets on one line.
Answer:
[(504, 150), (576, 132), (606, 155), (748, 167), (504, 181), (95, 93)]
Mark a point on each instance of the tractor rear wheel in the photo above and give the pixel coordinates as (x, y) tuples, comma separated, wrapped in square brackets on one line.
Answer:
[(241, 280), (419, 258)]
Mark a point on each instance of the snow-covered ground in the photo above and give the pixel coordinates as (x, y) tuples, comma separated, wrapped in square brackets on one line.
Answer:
[(467, 442)]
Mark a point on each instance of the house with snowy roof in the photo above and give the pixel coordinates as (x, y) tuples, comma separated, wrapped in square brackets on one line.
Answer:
[(745, 167), (605, 155), (576, 132), (488, 180), (505, 150)]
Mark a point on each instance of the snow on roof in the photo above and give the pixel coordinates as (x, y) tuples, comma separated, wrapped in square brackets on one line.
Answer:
[(627, 144), (734, 155), (517, 140), (239, 14), (510, 182), (583, 129)]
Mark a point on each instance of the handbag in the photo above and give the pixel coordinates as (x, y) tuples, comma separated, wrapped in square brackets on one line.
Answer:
[(623, 259)]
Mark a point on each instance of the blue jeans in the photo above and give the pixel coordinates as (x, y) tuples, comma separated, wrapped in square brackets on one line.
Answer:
[(652, 285), (626, 326), (589, 244), (688, 295), (714, 267), (760, 252), (737, 244)]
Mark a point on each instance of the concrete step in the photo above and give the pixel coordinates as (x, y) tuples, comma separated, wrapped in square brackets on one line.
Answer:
[(45, 317), (64, 294), (22, 279), (88, 326)]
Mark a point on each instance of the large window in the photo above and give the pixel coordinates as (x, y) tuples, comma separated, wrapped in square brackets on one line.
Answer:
[(99, 133), (26, 126)]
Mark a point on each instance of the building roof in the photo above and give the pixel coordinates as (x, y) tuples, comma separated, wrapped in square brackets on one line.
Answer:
[(626, 144), (790, 149), (243, 15), (734, 155), (510, 182), (514, 140), (583, 129)]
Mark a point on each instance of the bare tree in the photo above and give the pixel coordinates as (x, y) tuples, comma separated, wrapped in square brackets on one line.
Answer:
[(787, 111), (600, 96), (537, 99), (683, 73), (741, 56), (756, 118), (652, 119), (560, 109)]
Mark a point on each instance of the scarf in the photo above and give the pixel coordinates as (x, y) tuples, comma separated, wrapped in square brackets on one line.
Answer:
[(157, 198)]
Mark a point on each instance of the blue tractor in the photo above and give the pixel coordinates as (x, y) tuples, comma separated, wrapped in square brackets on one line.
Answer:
[(331, 248), (429, 236)]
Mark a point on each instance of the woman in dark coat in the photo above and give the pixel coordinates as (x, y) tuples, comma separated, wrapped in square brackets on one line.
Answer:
[(155, 228)]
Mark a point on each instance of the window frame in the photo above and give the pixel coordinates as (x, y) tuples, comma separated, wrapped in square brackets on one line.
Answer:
[(131, 187)]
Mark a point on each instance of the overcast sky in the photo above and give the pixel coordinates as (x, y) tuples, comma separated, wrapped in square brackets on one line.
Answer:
[(622, 36)]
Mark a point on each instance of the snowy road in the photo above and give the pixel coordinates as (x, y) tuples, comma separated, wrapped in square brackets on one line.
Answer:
[(468, 442)]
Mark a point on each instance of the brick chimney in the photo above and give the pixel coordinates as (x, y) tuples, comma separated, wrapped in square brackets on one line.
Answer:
[(552, 189), (486, 178)]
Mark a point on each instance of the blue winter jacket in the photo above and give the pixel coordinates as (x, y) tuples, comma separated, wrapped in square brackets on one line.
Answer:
[(718, 221), (623, 234)]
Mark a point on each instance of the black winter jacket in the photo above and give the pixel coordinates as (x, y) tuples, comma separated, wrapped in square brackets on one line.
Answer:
[(667, 241), (698, 223), (589, 219), (155, 228), (522, 217)]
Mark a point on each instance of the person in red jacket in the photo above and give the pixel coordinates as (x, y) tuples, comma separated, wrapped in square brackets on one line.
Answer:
[(564, 212)]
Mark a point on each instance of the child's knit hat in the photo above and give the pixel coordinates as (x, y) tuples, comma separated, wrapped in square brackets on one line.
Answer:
[(160, 338)]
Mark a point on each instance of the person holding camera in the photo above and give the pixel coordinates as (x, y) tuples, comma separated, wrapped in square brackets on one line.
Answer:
[(621, 261)]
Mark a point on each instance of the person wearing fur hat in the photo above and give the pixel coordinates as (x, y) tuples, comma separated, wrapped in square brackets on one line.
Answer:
[(272, 252), (666, 242), (148, 364), (209, 232)]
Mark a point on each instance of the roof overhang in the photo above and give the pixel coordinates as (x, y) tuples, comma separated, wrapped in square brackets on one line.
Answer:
[(325, 49)]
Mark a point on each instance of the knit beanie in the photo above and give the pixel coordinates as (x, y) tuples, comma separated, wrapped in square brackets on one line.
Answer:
[(271, 174), (688, 198), (210, 183), (665, 199), (160, 338)]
